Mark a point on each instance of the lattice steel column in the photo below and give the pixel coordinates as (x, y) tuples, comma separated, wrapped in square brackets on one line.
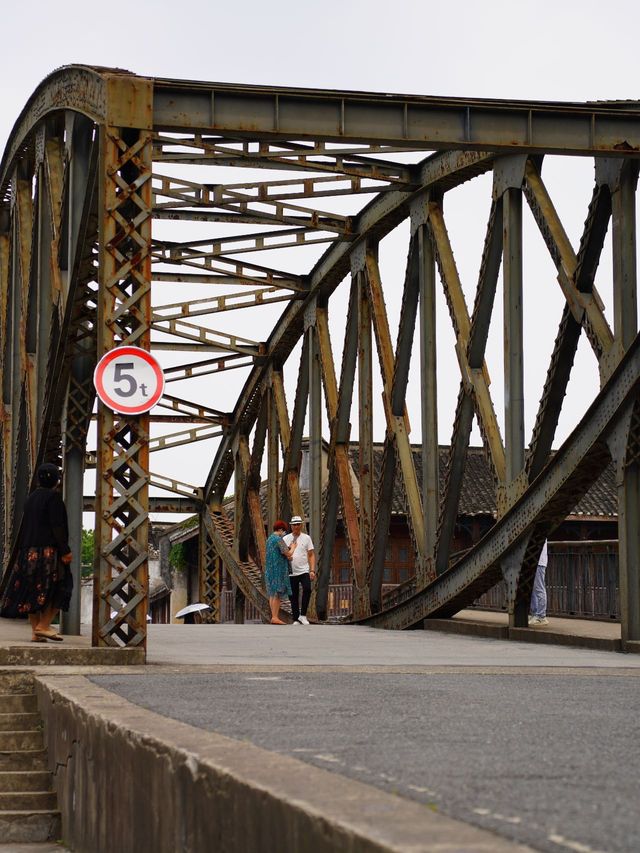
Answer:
[(124, 315), (209, 573)]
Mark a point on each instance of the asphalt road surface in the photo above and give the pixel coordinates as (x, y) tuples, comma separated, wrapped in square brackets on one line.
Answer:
[(548, 759)]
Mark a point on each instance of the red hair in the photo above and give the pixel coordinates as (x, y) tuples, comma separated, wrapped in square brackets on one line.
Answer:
[(280, 525)]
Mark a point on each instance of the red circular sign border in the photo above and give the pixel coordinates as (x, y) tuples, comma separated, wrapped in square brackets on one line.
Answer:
[(106, 360)]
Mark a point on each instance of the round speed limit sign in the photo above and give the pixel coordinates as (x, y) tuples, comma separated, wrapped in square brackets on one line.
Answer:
[(129, 380)]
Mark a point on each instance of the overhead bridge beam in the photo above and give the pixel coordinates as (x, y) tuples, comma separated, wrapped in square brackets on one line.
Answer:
[(417, 122), (168, 504)]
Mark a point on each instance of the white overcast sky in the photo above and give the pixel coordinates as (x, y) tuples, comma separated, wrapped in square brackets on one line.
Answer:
[(563, 50)]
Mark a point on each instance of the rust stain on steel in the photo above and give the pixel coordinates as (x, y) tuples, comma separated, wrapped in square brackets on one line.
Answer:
[(349, 510), (129, 101)]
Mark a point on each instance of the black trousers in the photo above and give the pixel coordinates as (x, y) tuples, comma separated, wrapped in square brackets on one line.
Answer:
[(298, 581)]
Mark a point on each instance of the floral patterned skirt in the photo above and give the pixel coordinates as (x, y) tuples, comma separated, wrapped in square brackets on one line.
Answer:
[(38, 580)]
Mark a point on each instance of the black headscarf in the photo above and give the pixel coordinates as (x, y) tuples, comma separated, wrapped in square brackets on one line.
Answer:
[(48, 475)]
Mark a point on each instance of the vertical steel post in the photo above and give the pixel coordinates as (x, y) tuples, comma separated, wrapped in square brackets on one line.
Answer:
[(625, 283), (429, 386), (625, 301), (124, 317), (629, 550), (273, 467), (315, 441), (80, 394), (513, 327), (365, 443), (513, 354)]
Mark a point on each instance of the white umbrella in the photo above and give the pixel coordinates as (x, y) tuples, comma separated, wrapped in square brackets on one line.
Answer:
[(191, 608)]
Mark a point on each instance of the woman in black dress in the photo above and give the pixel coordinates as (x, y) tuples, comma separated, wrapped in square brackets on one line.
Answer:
[(40, 582)]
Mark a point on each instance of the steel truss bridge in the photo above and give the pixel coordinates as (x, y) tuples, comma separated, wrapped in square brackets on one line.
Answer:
[(103, 208)]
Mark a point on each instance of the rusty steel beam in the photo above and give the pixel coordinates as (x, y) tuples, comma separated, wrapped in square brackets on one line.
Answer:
[(463, 419), (477, 377), (206, 367), (263, 191), (250, 495), (398, 423), (273, 459), (214, 340), (340, 486), (183, 194), (124, 317), (173, 505), (197, 410), (586, 306), (314, 522), (429, 393), (209, 574), (298, 156), (227, 269), (291, 498), (415, 121), (281, 238), (571, 472), (217, 304), (366, 471)]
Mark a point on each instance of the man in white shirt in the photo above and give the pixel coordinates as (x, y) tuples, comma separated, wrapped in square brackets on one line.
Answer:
[(302, 568)]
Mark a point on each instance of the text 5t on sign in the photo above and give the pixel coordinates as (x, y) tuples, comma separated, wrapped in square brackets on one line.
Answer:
[(129, 380)]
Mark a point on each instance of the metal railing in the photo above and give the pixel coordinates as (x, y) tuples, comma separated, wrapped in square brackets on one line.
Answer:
[(582, 581), (339, 603)]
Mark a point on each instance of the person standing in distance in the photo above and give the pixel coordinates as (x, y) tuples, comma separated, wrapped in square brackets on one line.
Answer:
[(277, 569), (538, 606), (40, 582), (303, 570)]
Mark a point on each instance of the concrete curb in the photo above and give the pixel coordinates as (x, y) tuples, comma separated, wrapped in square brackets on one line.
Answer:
[(523, 635), (46, 654), (129, 780)]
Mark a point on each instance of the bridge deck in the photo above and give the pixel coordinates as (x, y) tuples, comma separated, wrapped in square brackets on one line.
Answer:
[(202, 645), (355, 724)]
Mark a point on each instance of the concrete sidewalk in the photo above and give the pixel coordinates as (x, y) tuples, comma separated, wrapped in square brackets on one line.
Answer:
[(579, 633), (346, 645), (472, 638)]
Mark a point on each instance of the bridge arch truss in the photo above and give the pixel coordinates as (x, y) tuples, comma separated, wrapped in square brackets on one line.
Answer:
[(115, 189)]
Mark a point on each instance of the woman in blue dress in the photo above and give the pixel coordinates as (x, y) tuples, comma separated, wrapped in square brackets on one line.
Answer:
[(276, 573)]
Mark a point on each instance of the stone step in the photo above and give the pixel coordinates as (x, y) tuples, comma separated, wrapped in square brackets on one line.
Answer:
[(28, 801), (29, 826), (25, 780), (26, 759), (19, 722), (18, 703), (12, 681), (10, 741)]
